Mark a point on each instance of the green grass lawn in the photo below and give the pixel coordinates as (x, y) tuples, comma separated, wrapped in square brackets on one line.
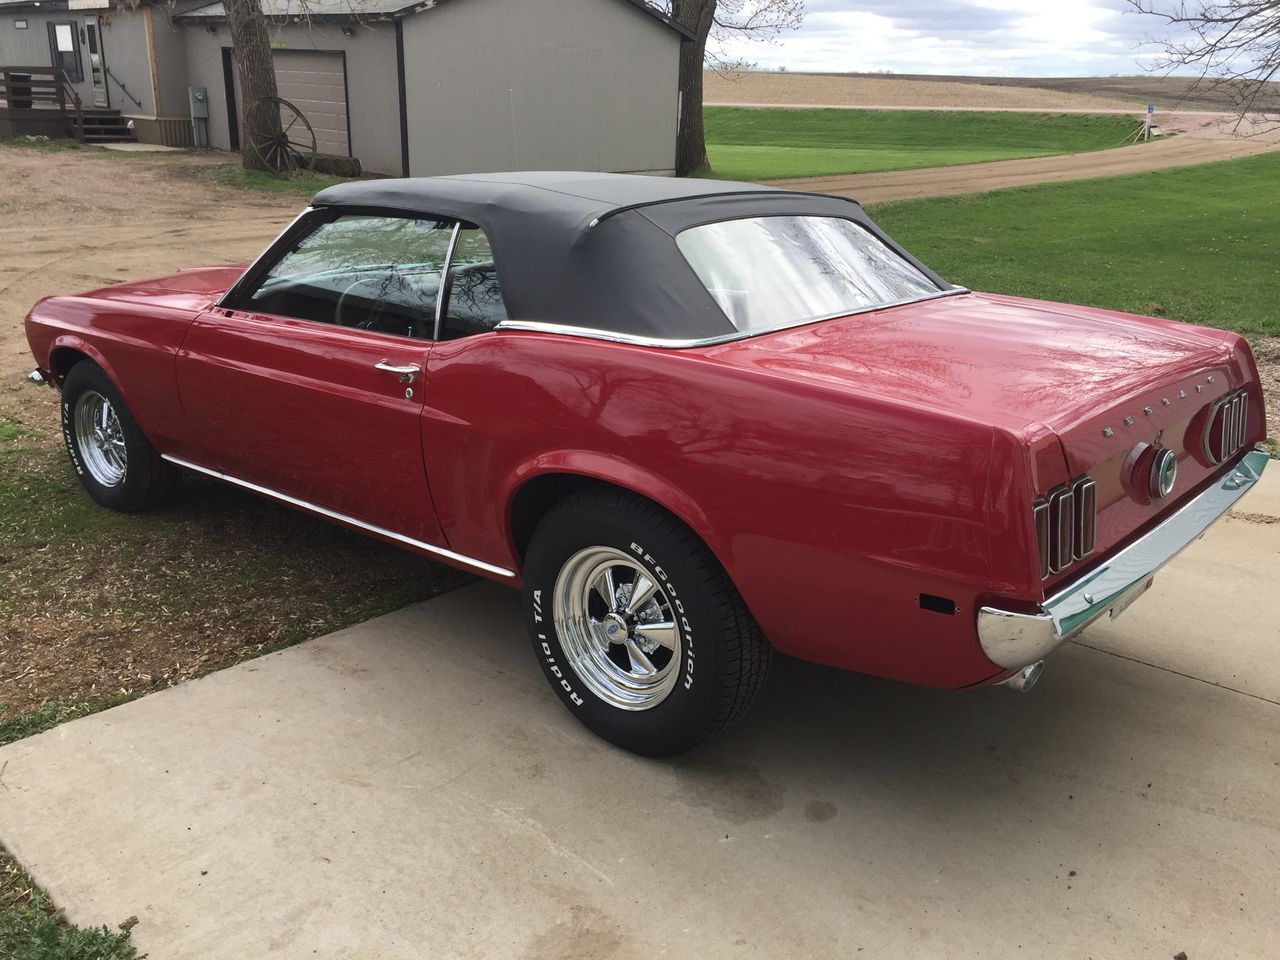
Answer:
[(1197, 243), (747, 144)]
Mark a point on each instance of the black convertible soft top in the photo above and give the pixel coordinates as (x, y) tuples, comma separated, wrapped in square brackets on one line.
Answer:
[(597, 250)]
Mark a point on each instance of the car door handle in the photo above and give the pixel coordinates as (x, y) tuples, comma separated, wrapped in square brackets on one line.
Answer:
[(407, 373)]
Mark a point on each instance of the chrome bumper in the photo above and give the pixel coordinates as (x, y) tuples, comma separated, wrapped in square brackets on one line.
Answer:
[(1014, 640)]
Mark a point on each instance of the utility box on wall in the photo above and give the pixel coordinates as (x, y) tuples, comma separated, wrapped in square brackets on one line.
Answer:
[(198, 98)]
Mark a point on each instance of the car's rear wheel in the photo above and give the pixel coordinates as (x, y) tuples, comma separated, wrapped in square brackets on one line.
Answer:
[(115, 462), (637, 626)]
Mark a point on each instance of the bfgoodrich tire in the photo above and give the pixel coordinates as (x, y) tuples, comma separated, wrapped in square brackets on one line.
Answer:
[(637, 627), (115, 462)]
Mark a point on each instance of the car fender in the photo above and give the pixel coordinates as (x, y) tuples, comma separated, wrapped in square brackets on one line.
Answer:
[(71, 341), (615, 470)]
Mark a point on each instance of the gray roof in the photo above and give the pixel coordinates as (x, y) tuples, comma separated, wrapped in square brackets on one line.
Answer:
[(371, 10), (304, 9)]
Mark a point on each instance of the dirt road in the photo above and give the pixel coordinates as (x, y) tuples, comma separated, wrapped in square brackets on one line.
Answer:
[(779, 89), (975, 93), (1180, 151)]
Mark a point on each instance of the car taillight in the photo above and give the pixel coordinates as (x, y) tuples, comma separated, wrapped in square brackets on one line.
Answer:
[(1227, 426), (1086, 522), (1066, 524)]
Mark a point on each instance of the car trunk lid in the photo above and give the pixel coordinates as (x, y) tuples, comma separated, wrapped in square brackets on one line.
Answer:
[(1104, 383), (1005, 361)]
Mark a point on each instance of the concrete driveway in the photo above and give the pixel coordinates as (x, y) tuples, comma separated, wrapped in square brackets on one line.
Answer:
[(409, 788)]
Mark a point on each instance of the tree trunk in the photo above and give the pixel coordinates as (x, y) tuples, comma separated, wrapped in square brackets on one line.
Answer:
[(251, 46), (691, 143)]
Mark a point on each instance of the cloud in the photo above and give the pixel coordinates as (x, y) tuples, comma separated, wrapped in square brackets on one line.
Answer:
[(975, 37)]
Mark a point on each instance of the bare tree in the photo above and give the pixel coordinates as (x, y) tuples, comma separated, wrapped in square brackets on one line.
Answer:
[(717, 20), (1234, 45), (251, 46)]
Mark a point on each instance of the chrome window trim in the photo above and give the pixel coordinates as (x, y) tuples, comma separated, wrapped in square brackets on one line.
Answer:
[(342, 518), (444, 279), (593, 333), (267, 251)]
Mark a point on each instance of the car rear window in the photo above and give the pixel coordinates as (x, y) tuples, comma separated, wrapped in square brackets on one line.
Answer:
[(772, 272)]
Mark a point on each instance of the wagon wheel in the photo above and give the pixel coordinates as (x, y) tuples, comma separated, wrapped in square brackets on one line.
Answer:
[(290, 150)]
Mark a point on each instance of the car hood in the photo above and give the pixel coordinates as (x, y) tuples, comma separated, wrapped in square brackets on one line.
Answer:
[(1000, 360), (195, 289)]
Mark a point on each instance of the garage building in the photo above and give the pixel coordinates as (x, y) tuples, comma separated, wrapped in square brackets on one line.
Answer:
[(441, 86)]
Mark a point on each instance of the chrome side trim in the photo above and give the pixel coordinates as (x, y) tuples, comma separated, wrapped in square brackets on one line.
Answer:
[(591, 333), (341, 517), (226, 294), (442, 289), (1014, 640)]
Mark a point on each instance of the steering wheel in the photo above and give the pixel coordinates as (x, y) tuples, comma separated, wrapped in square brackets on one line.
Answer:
[(342, 300)]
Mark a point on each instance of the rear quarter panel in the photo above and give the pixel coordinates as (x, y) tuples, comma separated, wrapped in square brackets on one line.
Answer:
[(832, 512)]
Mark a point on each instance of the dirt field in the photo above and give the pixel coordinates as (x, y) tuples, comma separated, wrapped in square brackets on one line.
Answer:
[(973, 93), (863, 90), (74, 220), (1167, 93)]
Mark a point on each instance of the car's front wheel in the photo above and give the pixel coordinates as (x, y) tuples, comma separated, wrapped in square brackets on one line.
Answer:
[(115, 462), (637, 626)]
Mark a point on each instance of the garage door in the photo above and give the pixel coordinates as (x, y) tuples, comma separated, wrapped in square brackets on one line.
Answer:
[(315, 82)]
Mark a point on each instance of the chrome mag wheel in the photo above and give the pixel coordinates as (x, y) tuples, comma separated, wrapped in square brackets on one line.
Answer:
[(100, 439), (617, 628)]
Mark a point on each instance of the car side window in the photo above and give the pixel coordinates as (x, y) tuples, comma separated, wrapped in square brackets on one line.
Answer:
[(473, 297), (367, 272)]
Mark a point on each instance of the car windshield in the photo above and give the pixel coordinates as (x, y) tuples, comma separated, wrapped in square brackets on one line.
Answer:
[(772, 272)]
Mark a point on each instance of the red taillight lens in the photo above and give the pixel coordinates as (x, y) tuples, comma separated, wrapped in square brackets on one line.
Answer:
[(1086, 519), (1042, 537), (1227, 427), (1061, 525), (1066, 525)]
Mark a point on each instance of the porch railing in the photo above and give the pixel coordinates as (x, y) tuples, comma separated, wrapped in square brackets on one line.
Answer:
[(40, 93)]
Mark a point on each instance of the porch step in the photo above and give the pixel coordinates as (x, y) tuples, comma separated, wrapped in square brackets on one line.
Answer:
[(105, 126)]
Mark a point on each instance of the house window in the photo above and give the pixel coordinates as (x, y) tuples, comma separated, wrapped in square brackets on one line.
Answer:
[(64, 50), (19, 24)]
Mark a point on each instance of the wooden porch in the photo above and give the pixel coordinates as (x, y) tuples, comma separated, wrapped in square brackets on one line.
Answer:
[(40, 101)]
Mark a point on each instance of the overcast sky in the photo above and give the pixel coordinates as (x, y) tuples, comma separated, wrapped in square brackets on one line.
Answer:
[(1031, 38)]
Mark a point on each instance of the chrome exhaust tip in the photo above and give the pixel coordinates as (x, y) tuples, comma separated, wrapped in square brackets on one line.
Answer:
[(1025, 679)]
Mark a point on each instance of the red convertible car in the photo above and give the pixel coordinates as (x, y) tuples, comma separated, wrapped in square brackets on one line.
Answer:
[(697, 421)]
